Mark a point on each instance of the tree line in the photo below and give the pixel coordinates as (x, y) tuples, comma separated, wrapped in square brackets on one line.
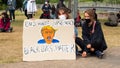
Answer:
[(3, 3)]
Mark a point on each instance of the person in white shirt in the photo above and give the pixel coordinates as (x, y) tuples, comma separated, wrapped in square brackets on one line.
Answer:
[(31, 8)]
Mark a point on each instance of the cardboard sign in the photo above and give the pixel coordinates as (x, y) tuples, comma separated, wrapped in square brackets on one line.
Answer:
[(48, 39)]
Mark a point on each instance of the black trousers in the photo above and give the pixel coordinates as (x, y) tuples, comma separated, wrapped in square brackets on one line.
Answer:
[(80, 43), (25, 12), (96, 44), (12, 14)]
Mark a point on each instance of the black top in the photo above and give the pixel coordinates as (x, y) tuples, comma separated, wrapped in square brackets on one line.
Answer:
[(46, 7), (97, 37)]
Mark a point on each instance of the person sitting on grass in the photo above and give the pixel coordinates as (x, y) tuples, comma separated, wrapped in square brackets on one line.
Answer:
[(5, 23), (63, 14), (112, 20), (92, 41)]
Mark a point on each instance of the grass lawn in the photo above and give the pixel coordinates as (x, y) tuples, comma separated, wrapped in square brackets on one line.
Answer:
[(11, 43)]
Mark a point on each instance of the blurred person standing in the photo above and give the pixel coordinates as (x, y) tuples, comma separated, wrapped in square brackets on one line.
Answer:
[(31, 8), (46, 9), (11, 7)]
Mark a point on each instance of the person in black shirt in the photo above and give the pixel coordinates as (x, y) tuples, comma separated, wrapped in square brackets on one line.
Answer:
[(46, 10), (93, 41)]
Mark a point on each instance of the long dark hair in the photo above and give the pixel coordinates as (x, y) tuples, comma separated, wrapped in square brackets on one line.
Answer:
[(65, 11), (91, 13), (6, 18), (53, 9), (5, 15)]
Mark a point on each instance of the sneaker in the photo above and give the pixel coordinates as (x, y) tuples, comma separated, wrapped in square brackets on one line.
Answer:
[(10, 29), (99, 54)]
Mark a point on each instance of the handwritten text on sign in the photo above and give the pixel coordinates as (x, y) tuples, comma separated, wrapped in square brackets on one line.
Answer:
[(45, 49), (53, 23)]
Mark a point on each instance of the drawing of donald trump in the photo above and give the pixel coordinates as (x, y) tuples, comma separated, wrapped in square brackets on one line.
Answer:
[(48, 33)]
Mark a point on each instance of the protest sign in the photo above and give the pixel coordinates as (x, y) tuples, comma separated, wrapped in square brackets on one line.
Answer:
[(48, 39)]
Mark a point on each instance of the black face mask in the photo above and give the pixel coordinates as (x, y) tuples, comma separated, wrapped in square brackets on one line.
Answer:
[(87, 20)]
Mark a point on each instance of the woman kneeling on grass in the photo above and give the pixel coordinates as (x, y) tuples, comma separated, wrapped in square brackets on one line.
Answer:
[(5, 23), (93, 39)]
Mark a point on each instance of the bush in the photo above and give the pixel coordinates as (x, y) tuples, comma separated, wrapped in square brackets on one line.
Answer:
[(3, 7)]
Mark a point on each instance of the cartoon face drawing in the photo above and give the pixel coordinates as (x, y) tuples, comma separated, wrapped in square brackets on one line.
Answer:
[(48, 34)]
